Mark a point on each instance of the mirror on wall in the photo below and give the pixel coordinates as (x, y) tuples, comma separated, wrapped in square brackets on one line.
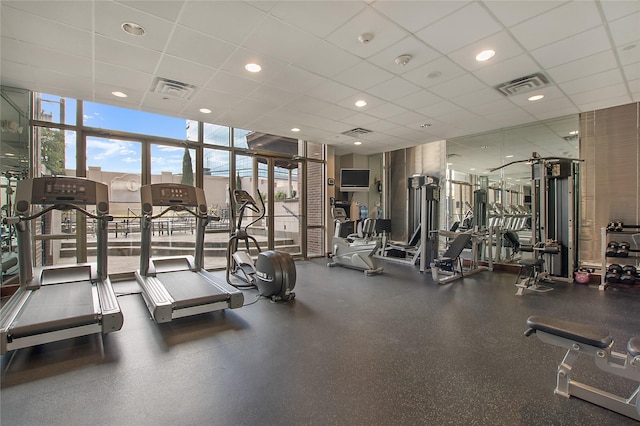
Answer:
[(14, 165), (471, 164)]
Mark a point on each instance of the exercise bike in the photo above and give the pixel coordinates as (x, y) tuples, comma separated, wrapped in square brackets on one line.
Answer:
[(354, 251), (274, 272)]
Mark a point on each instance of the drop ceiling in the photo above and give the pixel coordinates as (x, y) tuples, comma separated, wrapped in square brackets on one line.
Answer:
[(314, 67)]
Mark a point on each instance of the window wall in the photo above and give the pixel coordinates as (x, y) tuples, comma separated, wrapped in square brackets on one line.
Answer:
[(126, 149)]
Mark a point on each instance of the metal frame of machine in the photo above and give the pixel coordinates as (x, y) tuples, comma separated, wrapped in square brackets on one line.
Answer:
[(59, 302)]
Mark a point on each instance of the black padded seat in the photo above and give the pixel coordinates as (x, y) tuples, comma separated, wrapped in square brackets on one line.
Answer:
[(581, 333), (633, 347)]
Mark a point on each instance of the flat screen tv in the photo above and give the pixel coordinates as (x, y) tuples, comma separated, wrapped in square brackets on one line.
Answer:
[(354, 180)]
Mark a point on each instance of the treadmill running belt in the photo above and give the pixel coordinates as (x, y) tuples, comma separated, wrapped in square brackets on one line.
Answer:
[(189, 288), (56, 307)]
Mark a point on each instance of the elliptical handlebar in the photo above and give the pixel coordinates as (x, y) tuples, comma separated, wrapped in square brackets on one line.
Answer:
[(246, 201)]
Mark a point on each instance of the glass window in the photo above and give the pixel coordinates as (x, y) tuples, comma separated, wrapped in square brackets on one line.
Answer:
[(240, 138), (55, 109), (216, 135), (128, 120), (216, 190), (173, 164)]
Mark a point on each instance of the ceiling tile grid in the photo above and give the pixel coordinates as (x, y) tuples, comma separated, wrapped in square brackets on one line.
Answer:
[(315, 64)]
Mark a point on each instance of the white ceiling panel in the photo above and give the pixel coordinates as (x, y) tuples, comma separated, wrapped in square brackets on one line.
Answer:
[(317, 17), (226, 20), (476, 21), (557, 24), (367, 21), (570, 49), (314, 68)]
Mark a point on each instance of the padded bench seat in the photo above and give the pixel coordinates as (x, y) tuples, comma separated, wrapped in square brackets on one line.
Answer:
[(581, 333), (531, 262)]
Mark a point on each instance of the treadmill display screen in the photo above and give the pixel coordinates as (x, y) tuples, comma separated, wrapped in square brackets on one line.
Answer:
[(64, 188)]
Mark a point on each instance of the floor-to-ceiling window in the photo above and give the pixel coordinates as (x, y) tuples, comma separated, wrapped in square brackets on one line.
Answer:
[(126, 149)]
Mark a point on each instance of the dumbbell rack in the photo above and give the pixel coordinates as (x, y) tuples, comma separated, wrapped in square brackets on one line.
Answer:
[(634, 254)]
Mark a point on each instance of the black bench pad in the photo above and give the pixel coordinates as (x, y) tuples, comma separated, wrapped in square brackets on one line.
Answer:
[(633, 347), (581, 333), (531, 262)]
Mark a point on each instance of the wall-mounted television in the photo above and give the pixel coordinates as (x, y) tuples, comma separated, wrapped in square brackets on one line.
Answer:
[(354, 180)]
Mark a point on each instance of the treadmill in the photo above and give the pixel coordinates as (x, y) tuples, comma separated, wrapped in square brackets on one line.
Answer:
[(59, 302), (179, 286)]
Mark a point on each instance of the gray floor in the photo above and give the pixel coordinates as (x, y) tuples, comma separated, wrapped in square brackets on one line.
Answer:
[(390, 349)]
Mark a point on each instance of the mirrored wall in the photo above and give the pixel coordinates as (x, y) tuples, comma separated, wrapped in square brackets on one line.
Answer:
[(498, 161)]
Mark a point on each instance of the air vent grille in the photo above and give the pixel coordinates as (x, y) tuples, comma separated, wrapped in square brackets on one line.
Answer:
[(174, 89), (356, 132), (523, 84)]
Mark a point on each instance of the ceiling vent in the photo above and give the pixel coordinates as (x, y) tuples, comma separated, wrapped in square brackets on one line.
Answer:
[(174, 89), (523, 84), (356, 132)]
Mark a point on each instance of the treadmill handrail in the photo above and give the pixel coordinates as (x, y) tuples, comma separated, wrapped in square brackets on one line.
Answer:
[(16, 219)]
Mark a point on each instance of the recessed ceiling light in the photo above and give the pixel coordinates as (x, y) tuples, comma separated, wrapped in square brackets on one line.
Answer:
[(449, 164), (629, 47), (472, 169), (253, 67), (434, 74), (357, 143), (536, 98), (119, 94), (295, 129), (508, 156), (573, 132), (205, 110), (423, 125), (485, 55), (133, 29), (361, 103)]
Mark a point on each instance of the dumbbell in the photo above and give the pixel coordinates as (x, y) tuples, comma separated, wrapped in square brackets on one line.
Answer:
[(615, 226), (628, 275), (613, 273), (612, 249), (623, 249)]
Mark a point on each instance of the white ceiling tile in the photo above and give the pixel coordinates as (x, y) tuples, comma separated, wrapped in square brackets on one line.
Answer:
[(617, 9), (317, 17), (123, 78), (386, 111), (362, 76), (296, 80), (307, 105), (199, 48), (393, 89), (605, 103), (217, 101), (458, 86), (266, 94), (437, 109), (502, 43), (331, 91), (579, 46), (600, 94), (336, 112), (446, 68), (414, 15), (514, 12), (508, 70), (478, 97), (113, 15), (187, 72), (500, 105), (475, 21), (31, 29), (409, 45), (632, 72), (549, 92), (629, 54), (325, 59), (225, 82), (626, 30), (594, 81), (168, 10), (270, 66), (280, 40), (359, 119), (74, 13), (582, 67), (557, 24), (368, 21), (408, 117), (418, 99), (118, 53), (40, 57), (227, 20)]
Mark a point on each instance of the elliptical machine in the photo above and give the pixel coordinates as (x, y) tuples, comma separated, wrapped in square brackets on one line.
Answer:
[(353, 251), (274, 272)]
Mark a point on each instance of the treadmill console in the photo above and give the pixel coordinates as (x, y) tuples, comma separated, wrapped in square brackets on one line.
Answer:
[(57, 190), (172, 194)]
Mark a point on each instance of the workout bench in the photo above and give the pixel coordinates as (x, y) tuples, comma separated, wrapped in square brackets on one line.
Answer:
[(445, 264), (579, 339)]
